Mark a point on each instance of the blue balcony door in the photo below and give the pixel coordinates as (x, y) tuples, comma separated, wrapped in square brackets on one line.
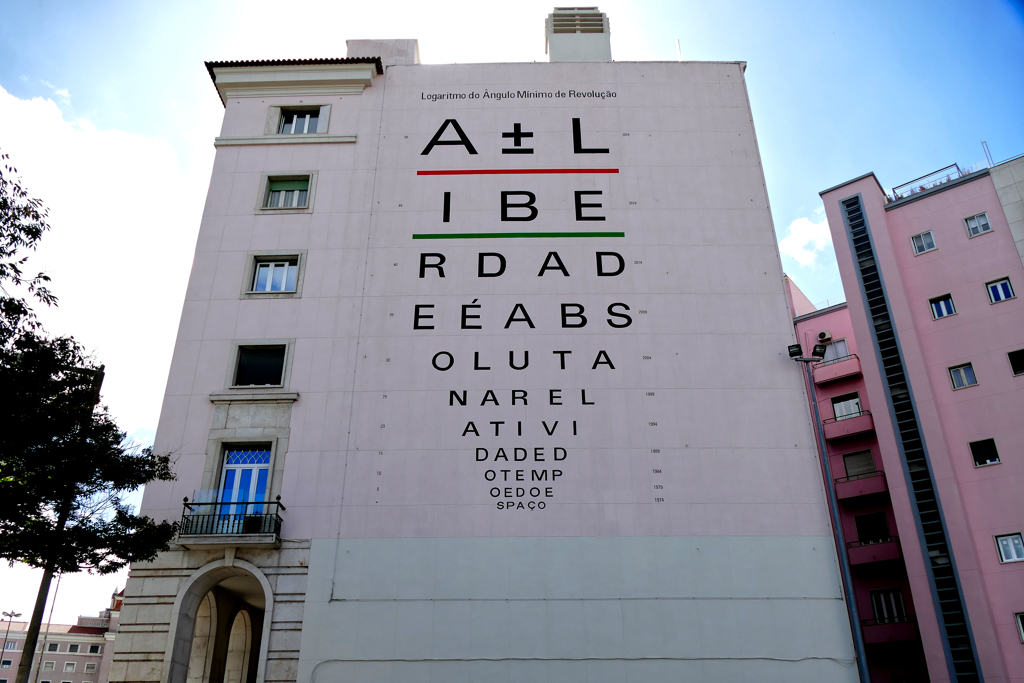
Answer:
[(244, 482)]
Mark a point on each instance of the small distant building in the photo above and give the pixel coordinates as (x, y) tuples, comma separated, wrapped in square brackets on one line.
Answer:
[(65, 653)]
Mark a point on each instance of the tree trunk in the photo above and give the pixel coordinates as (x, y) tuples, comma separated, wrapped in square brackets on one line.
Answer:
[(28, 653)]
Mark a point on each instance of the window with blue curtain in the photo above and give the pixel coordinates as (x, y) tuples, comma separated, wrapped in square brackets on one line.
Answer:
[(963, 376), (1000, 290), (942, 306)]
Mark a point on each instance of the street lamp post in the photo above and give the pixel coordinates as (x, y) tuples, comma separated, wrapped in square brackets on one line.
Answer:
[(11, 616), (817, 354)]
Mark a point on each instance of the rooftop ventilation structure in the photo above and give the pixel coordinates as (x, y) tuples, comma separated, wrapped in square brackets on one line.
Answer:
[(577, 34)]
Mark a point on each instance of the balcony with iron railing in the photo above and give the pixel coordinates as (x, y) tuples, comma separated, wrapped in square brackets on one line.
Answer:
[(213, 519), (879, 550), (866, 484), (835, 369), (892, 629), (850, 424)]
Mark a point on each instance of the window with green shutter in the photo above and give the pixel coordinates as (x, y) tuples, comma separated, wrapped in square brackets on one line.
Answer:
[(287, 194)]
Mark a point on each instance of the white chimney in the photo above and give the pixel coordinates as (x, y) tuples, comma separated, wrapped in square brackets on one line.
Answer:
[(577, 34)]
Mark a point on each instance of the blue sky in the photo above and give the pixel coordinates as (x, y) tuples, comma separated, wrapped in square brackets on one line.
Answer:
[(837, 89), (118, 91)]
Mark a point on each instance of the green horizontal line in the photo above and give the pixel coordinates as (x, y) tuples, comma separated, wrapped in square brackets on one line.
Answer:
[(508, 235)]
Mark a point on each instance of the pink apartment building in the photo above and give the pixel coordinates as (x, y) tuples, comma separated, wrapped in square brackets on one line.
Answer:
[(880, 582), (933, 387)]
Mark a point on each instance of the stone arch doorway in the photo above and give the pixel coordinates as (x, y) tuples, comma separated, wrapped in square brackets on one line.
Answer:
[(220, 625)]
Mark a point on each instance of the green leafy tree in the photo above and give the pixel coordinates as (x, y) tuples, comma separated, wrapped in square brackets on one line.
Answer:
[(22, 224), (65, 466)]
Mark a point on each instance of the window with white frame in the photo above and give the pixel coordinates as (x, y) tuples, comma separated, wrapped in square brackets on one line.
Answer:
[(69, 667), (287, 193), (846, 406), (299, 121), (977, 224), (94, 649), (1000, 290), (923, 242), (73, 647), (49, 666), (244, 479), (11, 645), (1019, 619), (962, 376), (52, 647), (275, 275), (942, 306), (1011, 548), (836, 350), (90, 667), (5, 663)]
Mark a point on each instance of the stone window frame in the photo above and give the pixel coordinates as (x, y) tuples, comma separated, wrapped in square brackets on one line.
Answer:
[(254, 257), (274, 114), (231, 444), (261, 196), (232, 366), (221, 441)]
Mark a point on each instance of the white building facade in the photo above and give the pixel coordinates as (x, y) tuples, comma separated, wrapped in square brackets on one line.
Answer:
[(482, 374)]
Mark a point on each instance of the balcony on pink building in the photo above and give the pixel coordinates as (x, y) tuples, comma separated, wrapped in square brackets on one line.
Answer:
[(889, 630), (848, 425), (861, 485), (874, 551), (828, 371)]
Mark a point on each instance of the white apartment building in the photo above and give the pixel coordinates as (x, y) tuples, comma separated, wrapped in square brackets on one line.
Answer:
[(481, 374)]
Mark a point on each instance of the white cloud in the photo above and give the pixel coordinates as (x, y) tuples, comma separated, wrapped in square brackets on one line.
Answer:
[(124, 223), (807, 238), (78, 594)]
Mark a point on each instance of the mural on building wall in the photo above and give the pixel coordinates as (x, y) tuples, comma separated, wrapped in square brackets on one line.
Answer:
[(532, 355)]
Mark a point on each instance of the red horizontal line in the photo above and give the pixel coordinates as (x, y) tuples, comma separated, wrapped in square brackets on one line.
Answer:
[(517, 171)]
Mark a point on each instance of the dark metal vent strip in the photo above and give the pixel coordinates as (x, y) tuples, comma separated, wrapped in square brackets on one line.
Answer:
[(942, 572)]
